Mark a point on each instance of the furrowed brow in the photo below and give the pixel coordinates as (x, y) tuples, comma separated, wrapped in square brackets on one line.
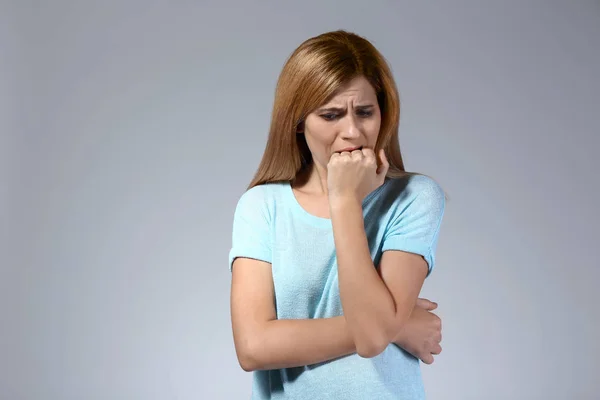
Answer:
[(339, 109)]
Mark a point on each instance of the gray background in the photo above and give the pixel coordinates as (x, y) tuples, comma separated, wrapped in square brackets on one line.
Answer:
[(133, 128)]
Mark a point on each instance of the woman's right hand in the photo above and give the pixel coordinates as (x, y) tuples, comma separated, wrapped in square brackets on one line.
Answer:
[(422, 333)]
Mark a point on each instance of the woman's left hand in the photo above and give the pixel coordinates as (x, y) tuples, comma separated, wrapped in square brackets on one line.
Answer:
[(354, 175), (422, 333)]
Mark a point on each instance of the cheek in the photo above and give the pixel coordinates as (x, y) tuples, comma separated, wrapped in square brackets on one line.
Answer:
[(319, 146), (373, 130), (320, 138)]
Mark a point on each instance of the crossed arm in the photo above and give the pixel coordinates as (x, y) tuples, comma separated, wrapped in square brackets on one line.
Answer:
[(377, 304), (264, 342)]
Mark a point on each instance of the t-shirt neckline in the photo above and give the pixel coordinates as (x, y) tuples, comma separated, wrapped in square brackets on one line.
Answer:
[(311, 218)]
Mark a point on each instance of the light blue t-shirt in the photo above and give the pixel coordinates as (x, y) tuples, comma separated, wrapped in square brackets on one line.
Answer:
[(270, 225)]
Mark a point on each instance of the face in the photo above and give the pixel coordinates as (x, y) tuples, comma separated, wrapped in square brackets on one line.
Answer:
[(350, 120)]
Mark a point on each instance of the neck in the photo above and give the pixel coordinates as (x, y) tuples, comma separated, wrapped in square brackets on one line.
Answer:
[(314, 179)]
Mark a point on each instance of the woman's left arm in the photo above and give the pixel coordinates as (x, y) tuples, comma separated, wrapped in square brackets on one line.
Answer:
[(375, 307)]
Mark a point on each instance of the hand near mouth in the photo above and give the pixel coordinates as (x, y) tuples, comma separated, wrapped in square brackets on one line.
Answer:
[(353, 175), (349, 149)]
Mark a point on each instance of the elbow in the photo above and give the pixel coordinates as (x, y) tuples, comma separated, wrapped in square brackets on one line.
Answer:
[(371, 344), (247, 364), (369, 350), (247, 359), (376, 341), (252, 350)]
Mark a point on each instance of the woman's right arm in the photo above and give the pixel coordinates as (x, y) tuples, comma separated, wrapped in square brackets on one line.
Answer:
[(264, 342)]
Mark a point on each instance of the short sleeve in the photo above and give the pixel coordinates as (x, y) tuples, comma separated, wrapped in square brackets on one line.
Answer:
[(251, 227), (416, 220)]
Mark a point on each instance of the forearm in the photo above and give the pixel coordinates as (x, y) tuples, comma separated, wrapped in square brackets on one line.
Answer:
[(368, 305), (290, 343)]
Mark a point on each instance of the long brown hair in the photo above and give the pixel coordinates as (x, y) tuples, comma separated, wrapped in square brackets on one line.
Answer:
[(310, 77)]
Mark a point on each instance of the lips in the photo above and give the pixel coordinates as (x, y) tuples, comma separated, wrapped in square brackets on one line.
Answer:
[(350, 149)]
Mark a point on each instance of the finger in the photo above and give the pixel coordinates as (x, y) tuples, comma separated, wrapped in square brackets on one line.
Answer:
[(385, 165), (437, 349), (357, 155), (426, 304), (367, 151), (427, 359), (367, 154)]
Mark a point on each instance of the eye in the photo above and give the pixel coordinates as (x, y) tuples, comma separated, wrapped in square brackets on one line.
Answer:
[(365, 113), (329, 117)]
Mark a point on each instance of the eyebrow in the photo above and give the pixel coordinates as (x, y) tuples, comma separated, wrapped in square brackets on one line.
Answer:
[(339, 109)]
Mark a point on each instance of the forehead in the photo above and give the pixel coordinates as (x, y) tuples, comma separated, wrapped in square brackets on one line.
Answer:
[(359, 89)]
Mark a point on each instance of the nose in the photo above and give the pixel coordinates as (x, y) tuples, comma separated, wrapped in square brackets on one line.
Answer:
[(351, 129)]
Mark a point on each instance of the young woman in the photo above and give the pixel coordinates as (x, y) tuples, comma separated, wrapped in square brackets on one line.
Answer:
[(333, 240)]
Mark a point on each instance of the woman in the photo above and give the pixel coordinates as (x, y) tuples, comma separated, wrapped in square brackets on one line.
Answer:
[(333, 240)]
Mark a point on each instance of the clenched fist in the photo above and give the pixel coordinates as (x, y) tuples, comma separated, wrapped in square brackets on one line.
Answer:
[(353, 175)]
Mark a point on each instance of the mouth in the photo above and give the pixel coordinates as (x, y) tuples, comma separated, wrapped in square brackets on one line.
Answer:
[(349, 149)]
